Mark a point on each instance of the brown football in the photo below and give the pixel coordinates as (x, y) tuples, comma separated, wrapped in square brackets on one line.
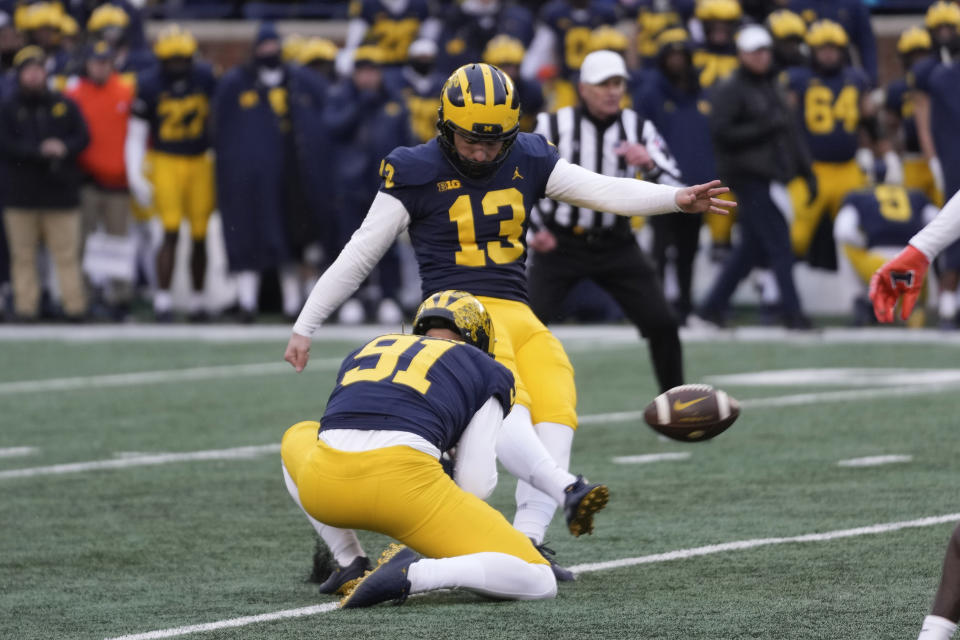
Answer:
[(692, 412)]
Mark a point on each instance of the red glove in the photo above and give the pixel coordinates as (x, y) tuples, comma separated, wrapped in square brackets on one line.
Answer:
[(901, 276)]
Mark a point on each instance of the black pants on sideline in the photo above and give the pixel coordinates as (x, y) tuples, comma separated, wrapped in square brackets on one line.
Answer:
[(681, 231), (764, 238), (620, 268)]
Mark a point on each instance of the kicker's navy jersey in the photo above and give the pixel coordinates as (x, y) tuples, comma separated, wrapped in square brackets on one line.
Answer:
[(470, 235), (830, 111), (178, 111), (889, 215), (427, 386)]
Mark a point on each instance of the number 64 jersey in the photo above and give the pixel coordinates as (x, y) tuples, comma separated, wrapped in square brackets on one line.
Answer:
[(468, 234), (427, 386)]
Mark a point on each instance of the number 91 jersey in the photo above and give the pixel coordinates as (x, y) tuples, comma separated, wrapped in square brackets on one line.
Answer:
[(178, 110), (468, 234), (427, 386)]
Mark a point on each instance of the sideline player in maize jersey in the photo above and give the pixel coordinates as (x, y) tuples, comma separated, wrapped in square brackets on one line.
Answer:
[(465, 198), (172, 110), (902, 279), (400, 402), (833, 105), (872, 226)]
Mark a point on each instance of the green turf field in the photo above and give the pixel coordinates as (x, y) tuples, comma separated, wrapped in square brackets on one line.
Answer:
[(144, 538)]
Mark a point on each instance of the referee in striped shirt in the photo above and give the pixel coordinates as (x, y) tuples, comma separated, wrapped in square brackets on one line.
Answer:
[(571, 243)]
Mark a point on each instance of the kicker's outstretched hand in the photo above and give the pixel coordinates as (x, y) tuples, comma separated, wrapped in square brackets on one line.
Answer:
[(702, 198)]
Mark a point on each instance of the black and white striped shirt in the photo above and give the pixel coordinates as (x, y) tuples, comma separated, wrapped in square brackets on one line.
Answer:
[(580, 141)]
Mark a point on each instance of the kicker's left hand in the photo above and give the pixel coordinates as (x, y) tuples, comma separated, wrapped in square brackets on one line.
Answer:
[(703, 198)]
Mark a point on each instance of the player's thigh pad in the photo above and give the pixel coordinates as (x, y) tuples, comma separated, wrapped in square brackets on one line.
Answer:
[(540, 360), (169, 189), (405, 494), (297, 444), (200, 196), (508, 332)]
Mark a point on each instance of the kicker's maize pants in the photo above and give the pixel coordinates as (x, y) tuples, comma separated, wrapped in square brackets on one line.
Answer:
[(540, 366)]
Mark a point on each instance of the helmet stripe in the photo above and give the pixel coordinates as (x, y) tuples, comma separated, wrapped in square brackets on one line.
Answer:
[(499, 86), (487, 72), (476, 84)]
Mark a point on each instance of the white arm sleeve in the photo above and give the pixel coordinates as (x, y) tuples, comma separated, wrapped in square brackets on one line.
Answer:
[(623, 196), (539, 53), (135, 147), (942, 231), (476, 467), (846, 228), (385, 220)]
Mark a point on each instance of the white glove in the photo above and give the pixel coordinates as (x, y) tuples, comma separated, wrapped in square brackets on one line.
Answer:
[(894, 173), (937, 170), (141, 189)]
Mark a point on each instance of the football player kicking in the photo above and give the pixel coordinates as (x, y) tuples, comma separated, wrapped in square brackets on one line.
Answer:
[(372, 462), (465, 198), (903, 278)]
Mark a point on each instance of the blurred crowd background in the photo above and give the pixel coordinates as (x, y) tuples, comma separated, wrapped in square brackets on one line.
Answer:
[(206, 159)]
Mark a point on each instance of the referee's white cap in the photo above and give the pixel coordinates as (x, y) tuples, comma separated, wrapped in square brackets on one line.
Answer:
[(600, 66)]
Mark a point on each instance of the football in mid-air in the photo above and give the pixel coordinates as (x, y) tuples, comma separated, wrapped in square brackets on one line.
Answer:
[(692, 412)]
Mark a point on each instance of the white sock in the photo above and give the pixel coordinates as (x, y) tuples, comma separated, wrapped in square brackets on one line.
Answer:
[(147, 253), (948, 304), (248, 289), (937, 628), (162, 301), (290, 290), (197, 302), (343, 543), (524, 455), (498, 575)]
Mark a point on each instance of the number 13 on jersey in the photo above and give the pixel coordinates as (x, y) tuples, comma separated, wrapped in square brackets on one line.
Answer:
[(508, 247)]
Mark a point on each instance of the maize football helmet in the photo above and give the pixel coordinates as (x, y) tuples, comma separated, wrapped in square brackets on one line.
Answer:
[(457, 311), (479, 102)]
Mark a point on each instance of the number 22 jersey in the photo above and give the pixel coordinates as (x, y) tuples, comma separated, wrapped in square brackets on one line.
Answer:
[(470, 234)]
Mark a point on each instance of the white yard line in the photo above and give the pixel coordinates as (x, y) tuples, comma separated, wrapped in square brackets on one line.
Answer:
[(874, 461), (16, 452), (740, 545), (622, 333), (650, 457), (154, 377), (591, 419), (793, 400), (680, 554), (237, 453), (234, 622)]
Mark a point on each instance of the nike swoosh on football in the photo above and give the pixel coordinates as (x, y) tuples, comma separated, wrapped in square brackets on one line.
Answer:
[(680, 406)]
